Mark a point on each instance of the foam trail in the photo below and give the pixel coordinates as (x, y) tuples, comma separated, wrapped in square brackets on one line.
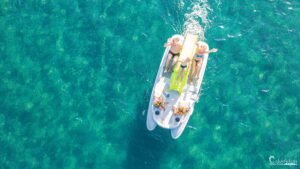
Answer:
[(188, 16), (196, 21)]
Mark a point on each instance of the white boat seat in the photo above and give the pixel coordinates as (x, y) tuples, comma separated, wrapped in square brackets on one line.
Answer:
[(159, 88)]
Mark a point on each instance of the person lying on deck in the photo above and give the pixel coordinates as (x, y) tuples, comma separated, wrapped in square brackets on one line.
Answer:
[(198, 58), (184, 66), (159, 103), (176, 45), (181, 110)]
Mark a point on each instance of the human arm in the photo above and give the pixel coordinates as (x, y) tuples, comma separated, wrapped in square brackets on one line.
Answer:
[(174, 109), (212, 50), (168, 43)]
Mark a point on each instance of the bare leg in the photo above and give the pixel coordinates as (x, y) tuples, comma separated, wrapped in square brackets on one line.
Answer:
[(194, 64), (175, 59), (179, 74), (198, 67), (183, 72), (168, 61)]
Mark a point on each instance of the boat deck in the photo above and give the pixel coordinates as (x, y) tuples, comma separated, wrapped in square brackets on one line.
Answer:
[(166, 118), (175, 94)]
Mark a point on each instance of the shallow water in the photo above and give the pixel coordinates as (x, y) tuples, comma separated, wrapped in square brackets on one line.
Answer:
[(76, 78)]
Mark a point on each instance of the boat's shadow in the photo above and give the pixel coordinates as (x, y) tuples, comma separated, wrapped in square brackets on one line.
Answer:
[(146, 149)]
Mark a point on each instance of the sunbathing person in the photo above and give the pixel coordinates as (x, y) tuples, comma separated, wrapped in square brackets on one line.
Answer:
[(198, 58), (175, 43), (181, 110), (159, 103), (184, 66)]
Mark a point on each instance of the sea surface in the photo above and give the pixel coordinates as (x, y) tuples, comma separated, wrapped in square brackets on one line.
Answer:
[(76, 78)]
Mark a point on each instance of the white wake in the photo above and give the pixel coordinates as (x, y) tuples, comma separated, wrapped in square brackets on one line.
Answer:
[(196, 20), (188, 16)]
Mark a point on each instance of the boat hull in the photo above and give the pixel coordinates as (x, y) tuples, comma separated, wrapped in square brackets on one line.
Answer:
[(188, 95)]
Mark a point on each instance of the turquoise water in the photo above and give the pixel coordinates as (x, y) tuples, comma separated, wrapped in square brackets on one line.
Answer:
[(76, 78)]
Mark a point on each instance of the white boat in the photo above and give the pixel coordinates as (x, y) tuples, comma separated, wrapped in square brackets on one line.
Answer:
[(175, 91)]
